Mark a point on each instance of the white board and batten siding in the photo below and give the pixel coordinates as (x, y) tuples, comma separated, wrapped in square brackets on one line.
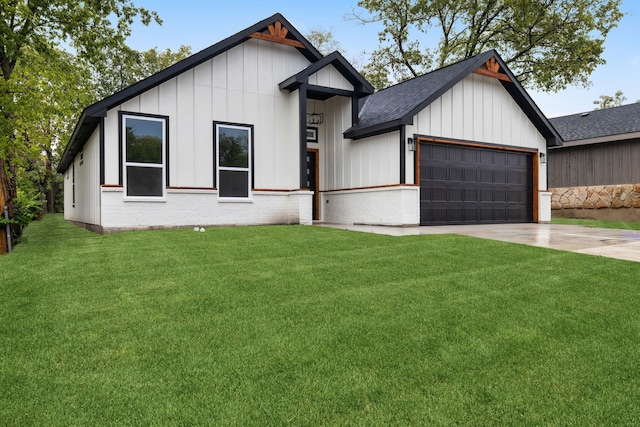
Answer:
[(237, 86), (86, 171), (361, 177), (479, 109), (330, 77)]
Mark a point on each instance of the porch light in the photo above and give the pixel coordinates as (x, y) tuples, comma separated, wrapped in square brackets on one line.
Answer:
[(412, 144), (315, 118), (543, 158)]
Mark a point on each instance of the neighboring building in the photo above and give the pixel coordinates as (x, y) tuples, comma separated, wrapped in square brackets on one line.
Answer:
[(262, 129), (596, 173)]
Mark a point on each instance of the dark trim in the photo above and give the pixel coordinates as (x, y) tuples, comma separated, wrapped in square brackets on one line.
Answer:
[(102, 169), (120, 142), (251, 147), (517, 92), (403, 156), (322, 93), (378, 129), (302, 134), (120, 154), (355, 109), (360, 84), (89, 117)]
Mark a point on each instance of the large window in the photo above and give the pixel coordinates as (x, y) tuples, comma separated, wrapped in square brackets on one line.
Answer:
[(233, 160), (144, 148)]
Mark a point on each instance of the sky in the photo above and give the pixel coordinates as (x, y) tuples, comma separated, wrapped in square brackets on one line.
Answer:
[(200, 24)]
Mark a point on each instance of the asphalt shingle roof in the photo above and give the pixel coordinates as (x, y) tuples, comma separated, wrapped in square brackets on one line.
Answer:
[(599, 123), (394, 107), (397, 102)]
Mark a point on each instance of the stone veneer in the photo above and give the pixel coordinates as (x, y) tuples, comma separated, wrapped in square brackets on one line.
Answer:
[(614, 202)]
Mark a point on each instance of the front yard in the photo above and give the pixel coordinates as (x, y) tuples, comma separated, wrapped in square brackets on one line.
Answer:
[(301, 325)]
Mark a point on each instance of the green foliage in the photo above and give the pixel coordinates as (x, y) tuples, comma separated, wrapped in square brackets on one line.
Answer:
[(607, 101), (548, 44), (122, 66), (298, 325), (619, 225), (323, 40), (27, 206), (234, 150), (42, 88)]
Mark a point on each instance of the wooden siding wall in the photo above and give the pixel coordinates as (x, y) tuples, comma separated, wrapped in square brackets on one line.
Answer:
[(87, 184), (596, 164), (480, 109), (347, 164), (238, 86)]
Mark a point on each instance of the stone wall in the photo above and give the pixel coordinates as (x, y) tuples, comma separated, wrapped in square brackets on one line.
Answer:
[(608, 202)]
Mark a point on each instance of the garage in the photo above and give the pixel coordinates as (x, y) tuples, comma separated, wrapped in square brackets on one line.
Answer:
[(462, 184)]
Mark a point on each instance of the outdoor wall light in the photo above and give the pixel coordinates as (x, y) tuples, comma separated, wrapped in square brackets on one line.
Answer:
[(543, 158), (315, 118), (412, 144)]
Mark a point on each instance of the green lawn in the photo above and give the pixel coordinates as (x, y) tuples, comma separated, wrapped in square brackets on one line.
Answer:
[(620, 225), (300, 325)]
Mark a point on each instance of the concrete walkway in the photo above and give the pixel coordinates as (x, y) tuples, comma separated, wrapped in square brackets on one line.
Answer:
[(621, 244)]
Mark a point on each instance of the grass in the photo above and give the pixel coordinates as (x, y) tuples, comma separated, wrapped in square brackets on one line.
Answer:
[(620, 225), (298, 325)]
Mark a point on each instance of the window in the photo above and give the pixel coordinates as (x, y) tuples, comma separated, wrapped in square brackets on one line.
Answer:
[(233, 160), (144, 148)]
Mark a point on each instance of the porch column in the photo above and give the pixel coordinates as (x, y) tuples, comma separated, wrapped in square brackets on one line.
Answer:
[(302, 100)]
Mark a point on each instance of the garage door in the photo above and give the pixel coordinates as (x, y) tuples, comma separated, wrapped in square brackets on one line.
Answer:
[(469, 185)]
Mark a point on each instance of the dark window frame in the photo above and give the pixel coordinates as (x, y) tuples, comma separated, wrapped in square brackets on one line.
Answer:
[(217, 169), (122, 115)]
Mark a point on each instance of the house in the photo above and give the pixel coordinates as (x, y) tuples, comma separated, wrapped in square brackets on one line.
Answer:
[(260, 128), (595, 173)]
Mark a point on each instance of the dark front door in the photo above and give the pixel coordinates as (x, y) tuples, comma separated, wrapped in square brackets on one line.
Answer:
[(470, 185), (312, 180)]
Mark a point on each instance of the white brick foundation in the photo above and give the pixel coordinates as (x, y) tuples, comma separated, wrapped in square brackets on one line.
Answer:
[(190, 207), (398, 205)]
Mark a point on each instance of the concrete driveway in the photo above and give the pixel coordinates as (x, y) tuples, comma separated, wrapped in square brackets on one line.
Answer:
[(621, 244)]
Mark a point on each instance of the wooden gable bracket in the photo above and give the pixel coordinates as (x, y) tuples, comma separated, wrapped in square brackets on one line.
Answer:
[(492, 70), (277, 34)]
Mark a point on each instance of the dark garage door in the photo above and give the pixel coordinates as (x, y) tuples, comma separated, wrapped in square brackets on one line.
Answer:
[(469, 185)]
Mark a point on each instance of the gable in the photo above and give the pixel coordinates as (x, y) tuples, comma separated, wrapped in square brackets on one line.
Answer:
[(478, 108), (273, 29), (394, 107)]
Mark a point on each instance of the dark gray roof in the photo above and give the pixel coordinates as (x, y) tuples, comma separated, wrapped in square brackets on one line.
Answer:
[(599, 123), (90, 117), (394, 107)]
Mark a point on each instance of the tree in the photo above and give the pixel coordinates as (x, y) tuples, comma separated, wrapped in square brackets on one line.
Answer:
[(122, 66), (548, 44), (607, 101), (88, 27), (54, 87), (324, 40)]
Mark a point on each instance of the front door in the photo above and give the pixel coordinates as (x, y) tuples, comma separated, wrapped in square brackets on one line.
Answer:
[(312, 179)]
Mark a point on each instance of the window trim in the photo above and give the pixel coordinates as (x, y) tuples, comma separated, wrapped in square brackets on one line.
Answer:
[(122, 117), (216, 160)]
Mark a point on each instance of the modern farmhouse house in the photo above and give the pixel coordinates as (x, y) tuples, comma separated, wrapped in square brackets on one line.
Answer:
[(260, 128)]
